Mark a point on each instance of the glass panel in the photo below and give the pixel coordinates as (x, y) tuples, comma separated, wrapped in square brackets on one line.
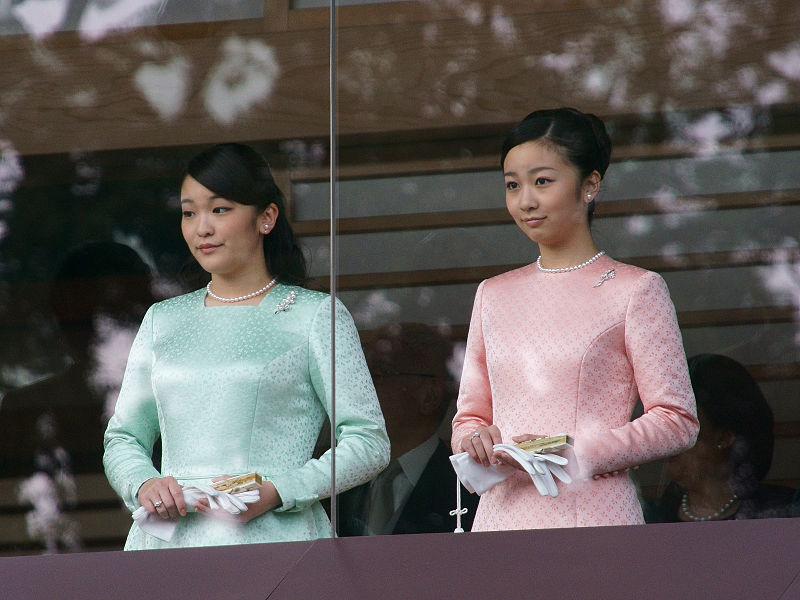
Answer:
[(96, 135), (702, 189)]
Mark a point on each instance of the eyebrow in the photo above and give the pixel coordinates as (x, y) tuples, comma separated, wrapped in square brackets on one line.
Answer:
[(530, 171), (187, 200)]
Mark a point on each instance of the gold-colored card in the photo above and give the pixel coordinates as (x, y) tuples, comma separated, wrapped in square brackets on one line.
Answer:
[(547, 445), (240, 483)]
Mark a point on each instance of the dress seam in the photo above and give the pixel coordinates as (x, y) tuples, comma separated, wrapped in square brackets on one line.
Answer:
[(583, 361)]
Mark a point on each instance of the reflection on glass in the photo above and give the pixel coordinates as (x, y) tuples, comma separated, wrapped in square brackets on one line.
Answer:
[(325, 3), (97, 127), (722, 476), (100, 293), (97, 124), (409, 363), (703, 189), (94, 19)]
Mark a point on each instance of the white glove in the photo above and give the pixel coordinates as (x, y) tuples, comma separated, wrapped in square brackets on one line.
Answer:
[(475, 477), (164, 529), (541, 467)]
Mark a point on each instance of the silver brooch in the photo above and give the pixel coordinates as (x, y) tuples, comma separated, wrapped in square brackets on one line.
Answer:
[(286, 302), (610, 274)]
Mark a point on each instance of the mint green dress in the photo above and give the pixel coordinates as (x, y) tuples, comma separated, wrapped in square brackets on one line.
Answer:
[(237, 389)]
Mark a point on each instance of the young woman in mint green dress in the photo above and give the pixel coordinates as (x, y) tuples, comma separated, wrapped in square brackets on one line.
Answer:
[(235, 377)]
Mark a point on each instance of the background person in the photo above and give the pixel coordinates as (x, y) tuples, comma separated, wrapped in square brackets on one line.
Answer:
[(721, 476), (415, 494)]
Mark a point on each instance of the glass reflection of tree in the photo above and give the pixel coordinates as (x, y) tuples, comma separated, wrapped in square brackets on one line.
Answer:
[(98, 297)]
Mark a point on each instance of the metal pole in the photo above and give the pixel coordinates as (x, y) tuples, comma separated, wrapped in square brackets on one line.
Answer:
[(334, 253)]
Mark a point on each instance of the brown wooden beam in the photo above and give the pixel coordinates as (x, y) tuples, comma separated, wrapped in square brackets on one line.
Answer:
[(775, 372), (457, 275), (757, 315)]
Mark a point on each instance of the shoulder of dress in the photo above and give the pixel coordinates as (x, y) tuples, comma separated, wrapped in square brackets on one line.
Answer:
[(512, 276), (639, 287), (632, 274), (309, 295), (298, 301), (626, 270), (298, 295), (180, 302)]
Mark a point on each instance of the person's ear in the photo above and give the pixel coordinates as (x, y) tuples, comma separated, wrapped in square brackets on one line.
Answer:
[(591, 186), (266, 220), (724, 439)]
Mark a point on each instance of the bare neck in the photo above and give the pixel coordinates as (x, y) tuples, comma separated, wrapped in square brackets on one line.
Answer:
[(580, 249)]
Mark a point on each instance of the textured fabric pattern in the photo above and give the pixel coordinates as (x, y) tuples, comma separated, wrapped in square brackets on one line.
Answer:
[(548, 353), (235, 389)]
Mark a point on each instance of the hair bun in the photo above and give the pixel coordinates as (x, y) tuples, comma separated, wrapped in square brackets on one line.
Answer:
[(602, 139)]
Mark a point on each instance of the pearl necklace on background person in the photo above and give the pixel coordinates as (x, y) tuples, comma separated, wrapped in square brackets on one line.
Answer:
[(567, 269), (240, 298), (693, 517)]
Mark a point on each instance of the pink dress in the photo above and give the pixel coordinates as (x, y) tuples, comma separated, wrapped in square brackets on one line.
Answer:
[(550, 353)]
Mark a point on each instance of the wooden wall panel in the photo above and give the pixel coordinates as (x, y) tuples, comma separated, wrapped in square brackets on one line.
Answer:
[(425, 81), (43, 117)]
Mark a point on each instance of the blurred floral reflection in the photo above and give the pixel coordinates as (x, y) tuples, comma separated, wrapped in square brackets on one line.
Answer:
[(95, 19), (99, 296), (243, 78)]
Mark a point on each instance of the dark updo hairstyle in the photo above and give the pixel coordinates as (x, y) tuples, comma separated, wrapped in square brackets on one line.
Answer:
[(238, 173), (581, 138), (730, 399)]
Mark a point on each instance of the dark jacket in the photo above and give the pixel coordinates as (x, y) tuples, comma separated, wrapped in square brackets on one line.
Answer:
[(428, 507)]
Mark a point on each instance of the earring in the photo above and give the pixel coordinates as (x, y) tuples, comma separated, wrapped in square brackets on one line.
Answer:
[(588, 196), (266, 227)]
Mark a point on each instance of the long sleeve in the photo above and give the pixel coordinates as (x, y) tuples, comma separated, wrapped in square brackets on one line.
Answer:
[(474, 394), (133, 428), (362, 449), (655, 350)]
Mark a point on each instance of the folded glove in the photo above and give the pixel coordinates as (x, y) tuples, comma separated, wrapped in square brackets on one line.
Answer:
[(541, 468), (164, 529), (475, 477)]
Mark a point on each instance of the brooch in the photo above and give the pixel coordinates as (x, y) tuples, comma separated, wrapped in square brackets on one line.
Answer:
[(286, 302), (610, 274)]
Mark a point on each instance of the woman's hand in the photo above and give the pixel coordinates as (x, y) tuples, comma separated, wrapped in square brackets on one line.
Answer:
[(505, 459), (268, 499), (162, 496), (480, 445)]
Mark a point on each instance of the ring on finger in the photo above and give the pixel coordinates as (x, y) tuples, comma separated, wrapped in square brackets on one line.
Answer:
[(157, 503), (474, 435)]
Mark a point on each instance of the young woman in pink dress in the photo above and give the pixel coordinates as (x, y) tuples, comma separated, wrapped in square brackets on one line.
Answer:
[(569, 343)]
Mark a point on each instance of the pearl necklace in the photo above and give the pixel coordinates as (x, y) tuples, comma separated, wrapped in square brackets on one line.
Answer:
[(693, 517), (240, 298), (567, 269)]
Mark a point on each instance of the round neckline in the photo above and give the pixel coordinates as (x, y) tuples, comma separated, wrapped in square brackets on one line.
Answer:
[(604, 259)]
